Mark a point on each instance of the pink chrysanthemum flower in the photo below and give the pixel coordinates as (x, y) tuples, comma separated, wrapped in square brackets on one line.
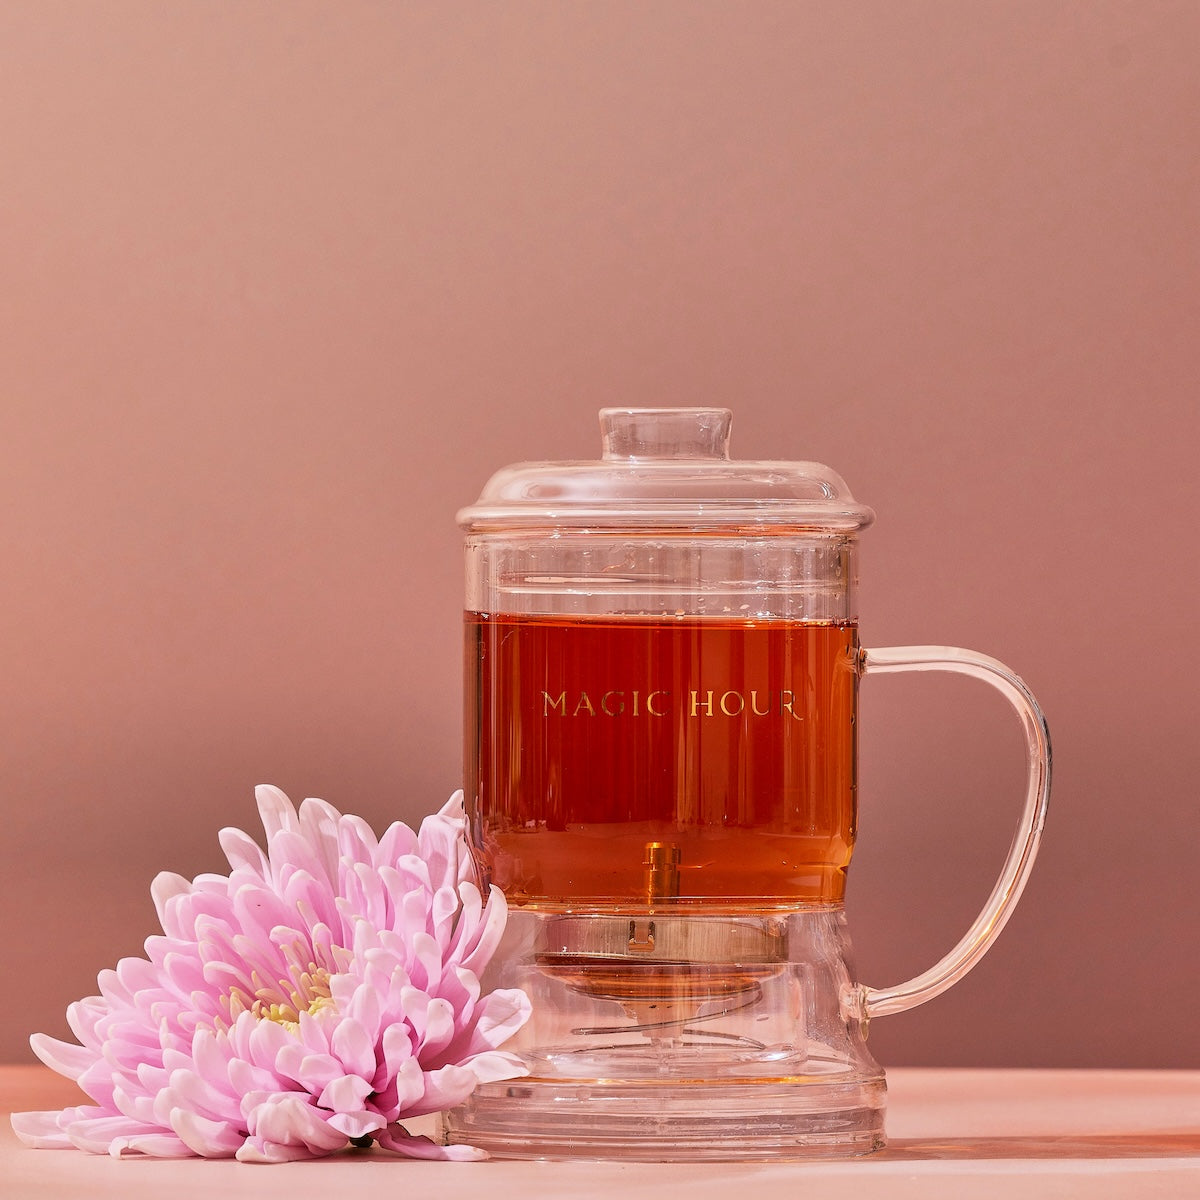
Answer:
[(315, 998)]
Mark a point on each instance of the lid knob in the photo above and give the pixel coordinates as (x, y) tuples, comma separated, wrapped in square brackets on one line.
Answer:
[(689, 433)]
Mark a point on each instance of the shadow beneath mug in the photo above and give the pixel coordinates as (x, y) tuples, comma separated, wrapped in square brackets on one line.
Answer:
[(1094, 1146)]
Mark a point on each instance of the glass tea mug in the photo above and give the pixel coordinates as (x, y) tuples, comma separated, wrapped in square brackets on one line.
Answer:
[(661, 677)]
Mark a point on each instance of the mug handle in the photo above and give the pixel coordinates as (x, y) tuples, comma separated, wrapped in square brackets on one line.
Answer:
[(867, 1002)]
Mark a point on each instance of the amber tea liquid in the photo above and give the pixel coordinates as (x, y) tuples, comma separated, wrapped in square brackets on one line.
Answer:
[(661, 761)]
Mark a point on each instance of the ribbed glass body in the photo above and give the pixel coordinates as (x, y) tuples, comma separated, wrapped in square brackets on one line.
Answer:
[(662, 719)]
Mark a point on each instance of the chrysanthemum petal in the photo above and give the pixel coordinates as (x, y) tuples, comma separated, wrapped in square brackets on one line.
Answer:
[(243, 852), (475, 950), (289, 1120), (372, 897), (153, 1145), (318, 824), (443, 910), (314, 1034), (442, 846), (444, 1088), (134, 1103), (426, 969), (83, 1015), (165, 887), (41, 1130), (433, 1023), (62, 1057), (97, 1082), (211, 1054), (266, 1039), (398, 1061), (356, 1125), (503, 1012), (274, 809), (208, 1139), (112, 1134), (397, 841), (292, 853), (262, 1150), (495, 1065), (352, 1045), (397, 1139), (245, 1077), (345, 1094), (188, 1089), (356, 840)]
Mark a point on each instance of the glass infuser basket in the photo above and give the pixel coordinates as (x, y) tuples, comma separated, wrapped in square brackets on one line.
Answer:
[(662, 671)]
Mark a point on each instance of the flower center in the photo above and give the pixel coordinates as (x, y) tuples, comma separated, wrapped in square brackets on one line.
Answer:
[(309, 994), (304, 991)]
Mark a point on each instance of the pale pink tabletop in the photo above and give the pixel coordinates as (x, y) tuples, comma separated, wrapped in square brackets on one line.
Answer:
[(958, 1134)]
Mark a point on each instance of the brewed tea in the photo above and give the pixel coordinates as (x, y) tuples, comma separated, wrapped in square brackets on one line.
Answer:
[(662, 760)]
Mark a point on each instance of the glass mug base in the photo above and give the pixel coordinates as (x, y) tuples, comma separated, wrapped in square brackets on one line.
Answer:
[(537, 1119), (659, 1036)]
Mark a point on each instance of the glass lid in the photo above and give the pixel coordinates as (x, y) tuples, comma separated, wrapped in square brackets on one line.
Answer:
[(666, 467)]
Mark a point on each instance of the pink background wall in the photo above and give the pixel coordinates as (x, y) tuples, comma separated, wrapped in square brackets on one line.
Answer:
[(283, 283)]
